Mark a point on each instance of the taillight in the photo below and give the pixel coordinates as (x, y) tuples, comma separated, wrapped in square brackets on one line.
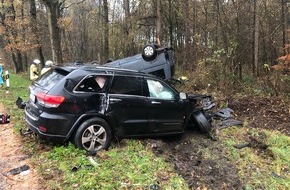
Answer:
[(42, 128), (49, 100)]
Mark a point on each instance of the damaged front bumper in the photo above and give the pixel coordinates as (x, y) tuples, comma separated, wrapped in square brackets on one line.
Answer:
[(204, 116)]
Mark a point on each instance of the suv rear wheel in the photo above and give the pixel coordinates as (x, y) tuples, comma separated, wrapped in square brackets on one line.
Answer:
[(93, 135), (149, 52)]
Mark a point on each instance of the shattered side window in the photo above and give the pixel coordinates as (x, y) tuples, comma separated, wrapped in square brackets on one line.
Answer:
[(159, 90), (93, 84)]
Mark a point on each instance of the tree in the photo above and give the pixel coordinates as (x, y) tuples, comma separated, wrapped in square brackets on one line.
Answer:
[(53, 15), (158, 22), (106, 29), (34, 30), (256, 39), (12, 33)]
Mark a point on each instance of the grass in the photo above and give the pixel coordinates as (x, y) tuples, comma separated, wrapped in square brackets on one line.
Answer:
[(131, 165), (263, 165)]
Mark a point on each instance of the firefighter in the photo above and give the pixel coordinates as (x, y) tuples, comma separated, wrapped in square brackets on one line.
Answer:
[(34, 69), (46, 67)]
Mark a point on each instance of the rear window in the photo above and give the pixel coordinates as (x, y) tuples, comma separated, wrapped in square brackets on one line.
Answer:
[(49, 79)]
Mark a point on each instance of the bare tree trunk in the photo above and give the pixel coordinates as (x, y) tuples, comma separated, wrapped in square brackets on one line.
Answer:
[(286, 26), (158, 22), (106, 30), (171, 38), (34, 29), (256, 39), (186, 35), (127, 26), (16, 54), (53, 10)]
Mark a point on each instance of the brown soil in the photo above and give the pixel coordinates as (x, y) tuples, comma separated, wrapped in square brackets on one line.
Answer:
[(12, 156), (188, 154)]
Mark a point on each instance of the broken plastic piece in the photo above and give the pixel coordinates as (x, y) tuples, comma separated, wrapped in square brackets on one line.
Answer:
[(230, 122), (224, 113), (154, 187), (20, 104), (93, 162), (4, 118), (26, 132), (18, 170)]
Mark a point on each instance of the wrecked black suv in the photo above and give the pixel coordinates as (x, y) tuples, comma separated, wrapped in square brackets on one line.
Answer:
[(90, 105)]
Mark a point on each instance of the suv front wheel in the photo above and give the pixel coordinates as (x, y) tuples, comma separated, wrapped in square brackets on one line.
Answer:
[(93, 135)]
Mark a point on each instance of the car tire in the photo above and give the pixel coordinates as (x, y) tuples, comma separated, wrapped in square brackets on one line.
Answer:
[(93, 135), (149, 52), (202, 122)]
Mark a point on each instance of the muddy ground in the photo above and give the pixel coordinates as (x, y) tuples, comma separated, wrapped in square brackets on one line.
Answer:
[(186, 153), (203, 172)]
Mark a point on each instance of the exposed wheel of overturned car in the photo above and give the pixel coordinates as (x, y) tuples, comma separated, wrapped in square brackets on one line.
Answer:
[(202, 122), (149, 52), (93, 135)]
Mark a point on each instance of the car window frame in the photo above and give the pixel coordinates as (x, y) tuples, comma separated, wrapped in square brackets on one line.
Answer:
[(164, 84), (122, 94), (94, 75)]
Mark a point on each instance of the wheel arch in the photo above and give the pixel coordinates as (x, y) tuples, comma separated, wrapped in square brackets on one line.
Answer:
[(86, 117)]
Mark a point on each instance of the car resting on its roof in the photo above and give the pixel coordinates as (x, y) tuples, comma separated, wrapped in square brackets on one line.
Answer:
[(91, 105), (156, 61)]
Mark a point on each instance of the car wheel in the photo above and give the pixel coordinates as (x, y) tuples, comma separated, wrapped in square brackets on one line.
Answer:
[(93, 135), (149, 52), (202, 122)]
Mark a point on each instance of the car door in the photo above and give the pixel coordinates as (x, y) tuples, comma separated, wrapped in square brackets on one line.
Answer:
[(166, 112), (127, 106), (90, 93)]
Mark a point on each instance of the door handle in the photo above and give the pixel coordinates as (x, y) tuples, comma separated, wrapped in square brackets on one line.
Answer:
[(113, 100), (154, 102)]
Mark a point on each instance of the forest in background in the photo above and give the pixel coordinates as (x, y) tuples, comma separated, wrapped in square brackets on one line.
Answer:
[(225, 43)]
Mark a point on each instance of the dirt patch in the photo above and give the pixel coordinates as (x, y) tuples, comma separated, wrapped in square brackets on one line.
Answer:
[(11, 157), (269, 113), (191, 159)]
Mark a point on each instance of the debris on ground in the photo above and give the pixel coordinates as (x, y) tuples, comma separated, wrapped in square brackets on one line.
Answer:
[(4, 118), (18, 170)]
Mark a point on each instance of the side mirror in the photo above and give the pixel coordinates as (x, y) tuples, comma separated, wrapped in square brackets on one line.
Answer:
[(182, 96)]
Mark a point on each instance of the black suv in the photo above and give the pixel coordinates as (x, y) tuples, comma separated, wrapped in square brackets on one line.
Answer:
[(90, 105)]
